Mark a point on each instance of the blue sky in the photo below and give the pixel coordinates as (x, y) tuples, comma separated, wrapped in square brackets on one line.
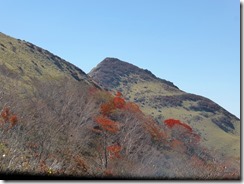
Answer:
[(195, 44)]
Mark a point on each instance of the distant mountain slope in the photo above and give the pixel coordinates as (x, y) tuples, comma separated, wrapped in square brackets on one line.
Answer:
[(21, 60), (162, 99)]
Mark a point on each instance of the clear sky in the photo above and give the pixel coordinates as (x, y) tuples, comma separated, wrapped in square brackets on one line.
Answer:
[(194, 44)]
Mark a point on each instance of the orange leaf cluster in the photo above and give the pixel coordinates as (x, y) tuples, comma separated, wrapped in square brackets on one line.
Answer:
[(107, 124), (8, 117), (5, 114), (119, 102), (118, 94), (114, 150), (106, 108), (172, 122), (130, 106), (13, 120), (116, 102)]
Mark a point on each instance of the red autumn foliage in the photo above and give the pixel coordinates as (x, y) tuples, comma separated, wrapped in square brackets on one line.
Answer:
[(7, 117), (119, 102), (172, 122), (130, 106), (13, 120), (106, 108), (116, 102), (183, 132), (118, 94), (5, 114), (107, 124), (114, 150)]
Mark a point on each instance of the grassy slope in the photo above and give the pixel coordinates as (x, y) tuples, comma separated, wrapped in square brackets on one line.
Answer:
[(213, 137), (23, 61), (15, 54)]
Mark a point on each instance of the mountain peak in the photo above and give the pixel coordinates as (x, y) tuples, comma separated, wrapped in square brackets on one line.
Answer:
[(111, 59), (112, 70), (117, 64)]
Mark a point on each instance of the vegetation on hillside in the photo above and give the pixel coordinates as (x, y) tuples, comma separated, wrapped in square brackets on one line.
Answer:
[(87, 132), (55, 121)]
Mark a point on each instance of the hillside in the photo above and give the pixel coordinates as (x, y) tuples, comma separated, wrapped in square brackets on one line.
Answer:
[(56, 121), (43, 102), (24, 61), (161, 99)]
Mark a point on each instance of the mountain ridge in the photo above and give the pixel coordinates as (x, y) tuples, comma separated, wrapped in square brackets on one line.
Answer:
[(21, 58)]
